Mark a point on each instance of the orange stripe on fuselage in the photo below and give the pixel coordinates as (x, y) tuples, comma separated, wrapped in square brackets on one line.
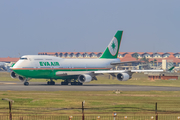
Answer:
[(57, 68)]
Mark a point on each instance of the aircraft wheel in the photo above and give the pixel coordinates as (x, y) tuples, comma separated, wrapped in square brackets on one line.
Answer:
[(26, 83), (52, 83), (48, 83), (64, 83), (80, 83), (73, 83), (76, 83)]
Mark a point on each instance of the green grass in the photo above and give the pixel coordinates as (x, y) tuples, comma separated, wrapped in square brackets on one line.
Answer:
[(96, 102)]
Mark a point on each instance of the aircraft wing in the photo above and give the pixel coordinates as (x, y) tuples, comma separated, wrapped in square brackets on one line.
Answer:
[(117, 63), (125, 71), (63, 73)]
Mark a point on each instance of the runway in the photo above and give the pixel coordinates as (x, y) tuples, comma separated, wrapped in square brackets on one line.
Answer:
[(42, 86)]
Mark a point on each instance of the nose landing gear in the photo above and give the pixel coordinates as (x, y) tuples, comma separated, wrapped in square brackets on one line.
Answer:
[(26, 83)]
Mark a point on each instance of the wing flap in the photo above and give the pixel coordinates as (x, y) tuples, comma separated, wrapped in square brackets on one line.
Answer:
[(125, 71)]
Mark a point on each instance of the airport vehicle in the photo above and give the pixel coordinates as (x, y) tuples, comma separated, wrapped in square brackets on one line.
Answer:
[(73, 71)]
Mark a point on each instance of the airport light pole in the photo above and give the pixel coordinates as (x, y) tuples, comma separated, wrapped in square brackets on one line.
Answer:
[(10, 106)]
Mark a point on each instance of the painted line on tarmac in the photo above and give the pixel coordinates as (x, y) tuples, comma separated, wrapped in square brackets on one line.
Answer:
[(7, 83)]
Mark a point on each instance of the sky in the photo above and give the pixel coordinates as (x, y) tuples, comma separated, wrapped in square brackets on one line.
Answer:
[(29, 27)]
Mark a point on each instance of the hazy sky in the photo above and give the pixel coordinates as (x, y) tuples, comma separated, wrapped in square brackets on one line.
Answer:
[(29, 27)]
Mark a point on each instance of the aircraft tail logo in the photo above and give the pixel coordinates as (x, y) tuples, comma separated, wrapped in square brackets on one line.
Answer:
[(113, 47)]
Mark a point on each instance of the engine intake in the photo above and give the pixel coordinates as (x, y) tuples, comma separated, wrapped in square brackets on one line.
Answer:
[(84, 78), (123, 76), (13, 75), (21, 78)]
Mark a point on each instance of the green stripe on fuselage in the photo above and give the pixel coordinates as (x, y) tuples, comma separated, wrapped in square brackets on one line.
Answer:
[(48, 73)]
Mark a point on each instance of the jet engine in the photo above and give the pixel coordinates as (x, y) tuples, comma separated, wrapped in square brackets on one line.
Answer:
[(84, 78), (21, 78), (13, 75), (123, 76)]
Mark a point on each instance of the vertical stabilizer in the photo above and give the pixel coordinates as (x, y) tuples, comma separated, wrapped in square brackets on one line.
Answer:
[(113, 47)]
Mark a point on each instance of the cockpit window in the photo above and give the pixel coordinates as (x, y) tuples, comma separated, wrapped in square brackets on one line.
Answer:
[(23, 58)]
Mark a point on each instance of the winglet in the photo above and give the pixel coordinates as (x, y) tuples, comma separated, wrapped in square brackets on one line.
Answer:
[(170, 69)]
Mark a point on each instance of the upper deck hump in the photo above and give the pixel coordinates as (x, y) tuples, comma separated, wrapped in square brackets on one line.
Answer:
[(41, 57)]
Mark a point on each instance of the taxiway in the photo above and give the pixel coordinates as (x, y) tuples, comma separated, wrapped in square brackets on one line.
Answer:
[(42, 86)]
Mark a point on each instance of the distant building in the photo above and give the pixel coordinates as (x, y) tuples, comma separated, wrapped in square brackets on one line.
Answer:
[(156, 57), (9, 59)]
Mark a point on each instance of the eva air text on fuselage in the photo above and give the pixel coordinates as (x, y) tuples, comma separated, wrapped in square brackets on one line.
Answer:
[(49, 63)]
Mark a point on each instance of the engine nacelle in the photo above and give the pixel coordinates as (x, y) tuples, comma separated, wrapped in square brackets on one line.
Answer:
[(123, 76), (21, 78), (84, 78), (13, 75)]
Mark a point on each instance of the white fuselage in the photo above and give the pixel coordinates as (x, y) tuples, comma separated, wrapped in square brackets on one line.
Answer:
[(50, 67), (33, 61)]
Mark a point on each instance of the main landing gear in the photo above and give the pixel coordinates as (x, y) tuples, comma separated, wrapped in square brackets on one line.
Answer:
[(51, 82), (68, 82), (76, 83), (26, 83), (71, 83)]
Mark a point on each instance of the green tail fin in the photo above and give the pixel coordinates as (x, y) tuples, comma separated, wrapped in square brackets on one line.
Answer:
[(112, 50)]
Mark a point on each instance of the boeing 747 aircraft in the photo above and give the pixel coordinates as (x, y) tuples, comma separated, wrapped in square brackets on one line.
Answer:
[(73, 71)]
